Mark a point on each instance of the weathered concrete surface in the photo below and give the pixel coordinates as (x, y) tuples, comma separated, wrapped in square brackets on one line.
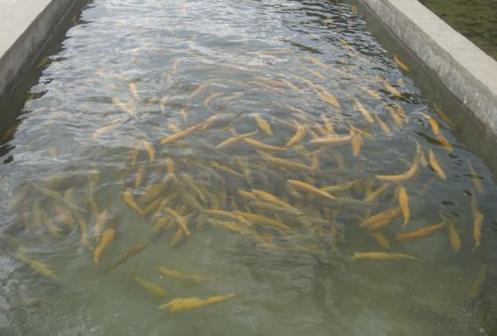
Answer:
[(463, 68), (25, 25)]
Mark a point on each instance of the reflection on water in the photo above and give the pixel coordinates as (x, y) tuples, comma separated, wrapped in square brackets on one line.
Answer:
[(268, 159)]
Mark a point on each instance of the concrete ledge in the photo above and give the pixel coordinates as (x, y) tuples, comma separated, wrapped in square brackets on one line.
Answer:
[(469, 73), (25, 25)]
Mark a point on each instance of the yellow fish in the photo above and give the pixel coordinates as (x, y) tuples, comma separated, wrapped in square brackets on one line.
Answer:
[(150, 286), (125, 107), (180, 134), (396, 117), (178, 275), (225, 169), (262, 146), (475, 290), (357, 143), (100, 223), (476, 179), (389, 256), (400, 64), (231, 226), (268, 197), (171, 168), (83, 229), (133, 89), (152, 192), (310, 188), (284, 163), (381, 239), (328, 98), (393, 91), (384, 127), (332, 140), (262, 220), (133, 251), (477, 221), (435, 127), (298, 136), (152, 207), (140, 175), (371, 93), (234, 139), (227, 214), (107, 238), (104, 129), (375, 194), (182, 304), (420, 233), (263, 124), (213, 96), (401, 177), (178, 237), (404, 205), (380, 220), (420, 155), (364, 111), (454, 238), (340, 187), (328, 125), (130, 201), (150, 149), (38, 266), (436, 165), (181, 220)]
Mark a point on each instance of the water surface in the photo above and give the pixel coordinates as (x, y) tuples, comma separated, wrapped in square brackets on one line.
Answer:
[(96, 132)]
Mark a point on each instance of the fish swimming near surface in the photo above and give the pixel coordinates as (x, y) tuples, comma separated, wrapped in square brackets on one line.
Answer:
[(310, 189), (420, 233), (105, 241), (150, 149), (129, 199), (263, 146), (477, 221), (435, 165), (178, 275), (298, 136), (386, 256), (234, 139), (149, 286), (364, 111), (400, 64), (454, 237), (404, 204), (380, 220), (263, 124), (181, 304), (130, 253), (401, 177), (107, 128)]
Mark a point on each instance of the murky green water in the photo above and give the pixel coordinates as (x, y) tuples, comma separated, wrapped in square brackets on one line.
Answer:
[(136, 108), (475, 19)]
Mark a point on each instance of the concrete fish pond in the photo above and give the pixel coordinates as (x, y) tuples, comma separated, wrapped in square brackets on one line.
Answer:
[(239, 168)]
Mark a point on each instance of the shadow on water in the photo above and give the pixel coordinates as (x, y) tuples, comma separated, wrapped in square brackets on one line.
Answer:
[(11, 104)]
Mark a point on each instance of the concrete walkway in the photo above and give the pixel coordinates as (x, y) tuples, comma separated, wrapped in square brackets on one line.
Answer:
[(25, 25)]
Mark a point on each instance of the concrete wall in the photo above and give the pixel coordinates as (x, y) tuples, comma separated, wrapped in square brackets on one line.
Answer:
[(463, 68), (25, 26)]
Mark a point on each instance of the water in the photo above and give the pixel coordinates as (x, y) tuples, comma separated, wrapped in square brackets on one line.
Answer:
[(150, 69), (476, 19)]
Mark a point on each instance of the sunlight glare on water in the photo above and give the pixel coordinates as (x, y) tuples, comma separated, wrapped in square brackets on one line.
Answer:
[(271, 151)]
